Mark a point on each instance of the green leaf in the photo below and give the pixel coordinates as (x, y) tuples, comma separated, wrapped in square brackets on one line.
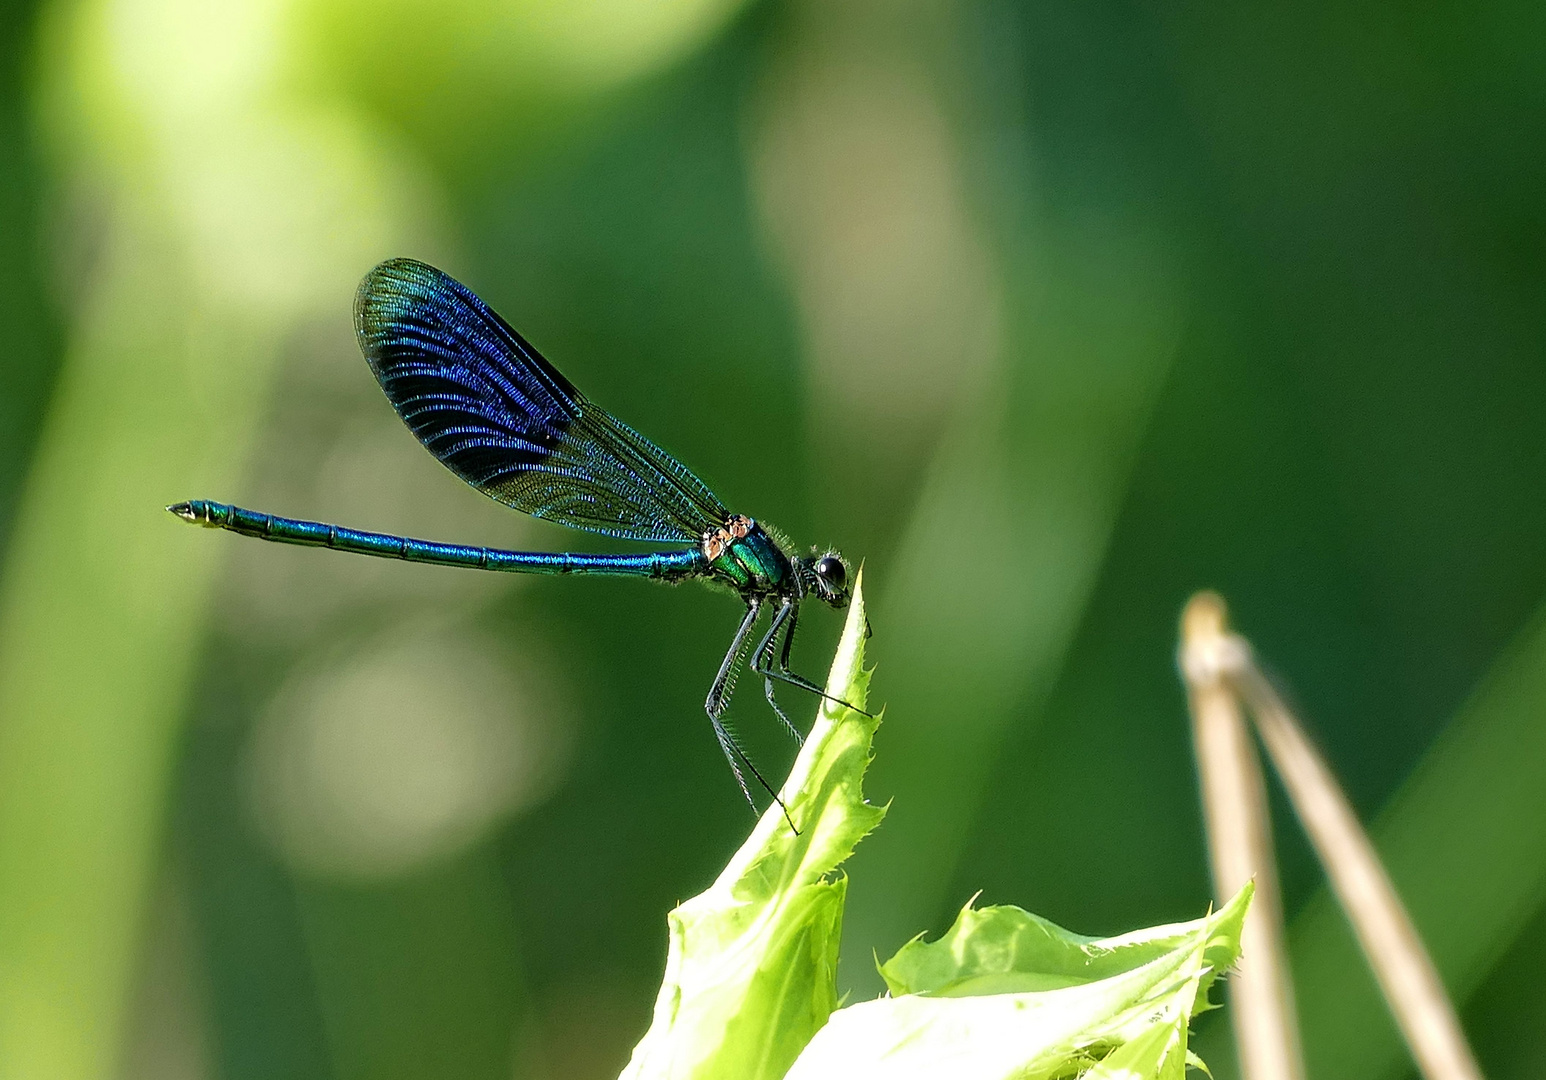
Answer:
[(1115, 1007), (998, 950), (751, 966)]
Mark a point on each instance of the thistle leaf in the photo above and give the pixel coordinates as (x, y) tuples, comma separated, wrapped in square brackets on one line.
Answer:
[(751, 964), (1005, 995)]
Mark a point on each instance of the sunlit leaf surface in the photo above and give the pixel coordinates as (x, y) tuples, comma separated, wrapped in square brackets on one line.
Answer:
[(1006, 994), (751, 972)]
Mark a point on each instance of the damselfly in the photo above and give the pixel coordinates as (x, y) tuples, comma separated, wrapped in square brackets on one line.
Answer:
[(486, 403)]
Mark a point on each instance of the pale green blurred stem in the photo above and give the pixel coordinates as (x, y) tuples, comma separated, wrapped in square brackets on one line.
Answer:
[(1464, 842), (999, 558), (102, 600)]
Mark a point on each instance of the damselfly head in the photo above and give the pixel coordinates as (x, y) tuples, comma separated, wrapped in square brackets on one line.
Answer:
[(829, 579)]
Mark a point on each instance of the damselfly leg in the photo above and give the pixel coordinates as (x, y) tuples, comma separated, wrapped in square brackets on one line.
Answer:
[(719, 699), (762, 663)]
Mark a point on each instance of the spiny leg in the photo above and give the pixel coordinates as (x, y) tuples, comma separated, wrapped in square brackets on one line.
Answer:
[(724, 682), (719, 699), (788, 613), (737, 757), (794, 622), (782, 673), (805, 684), (732, 751)]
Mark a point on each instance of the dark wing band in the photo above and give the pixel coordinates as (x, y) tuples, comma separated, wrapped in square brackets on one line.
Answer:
[(486, 403)]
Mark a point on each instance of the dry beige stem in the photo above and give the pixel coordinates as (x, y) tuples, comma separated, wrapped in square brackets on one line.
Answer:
[(1395, 952), (1220, 673), (1240, 845)]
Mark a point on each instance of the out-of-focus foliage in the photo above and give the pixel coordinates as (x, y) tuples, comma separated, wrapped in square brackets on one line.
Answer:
[(1051, 312)]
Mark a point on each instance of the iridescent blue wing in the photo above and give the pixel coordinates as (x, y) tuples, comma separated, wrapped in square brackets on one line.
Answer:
[(486, 403)]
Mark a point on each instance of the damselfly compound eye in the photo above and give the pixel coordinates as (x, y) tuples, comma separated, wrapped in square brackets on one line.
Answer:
[(831, 570)]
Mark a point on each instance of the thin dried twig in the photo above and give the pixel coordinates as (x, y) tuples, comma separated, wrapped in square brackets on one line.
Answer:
[(1221, 672), (1401, 964), (1240, 845)]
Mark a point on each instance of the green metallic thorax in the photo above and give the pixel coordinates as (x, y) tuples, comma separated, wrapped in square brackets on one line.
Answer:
[(754, 564)]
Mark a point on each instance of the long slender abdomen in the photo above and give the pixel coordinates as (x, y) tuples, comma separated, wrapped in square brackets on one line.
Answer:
[(665, 565)]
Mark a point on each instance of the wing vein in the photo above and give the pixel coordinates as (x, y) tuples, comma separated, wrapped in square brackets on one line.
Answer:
[(497, 414)]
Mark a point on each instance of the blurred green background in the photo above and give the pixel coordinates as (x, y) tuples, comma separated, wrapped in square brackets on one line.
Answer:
[(1050, 312)]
